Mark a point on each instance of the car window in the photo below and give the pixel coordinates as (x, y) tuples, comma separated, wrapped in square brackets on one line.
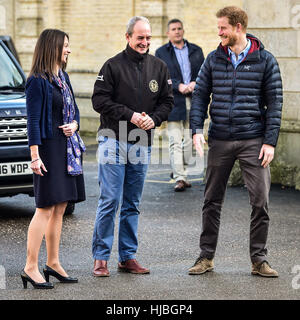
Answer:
[(9, 75)]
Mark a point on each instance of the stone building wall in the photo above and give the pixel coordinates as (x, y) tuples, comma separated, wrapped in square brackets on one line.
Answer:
[(97, 32), (277, 25), (7, 17)]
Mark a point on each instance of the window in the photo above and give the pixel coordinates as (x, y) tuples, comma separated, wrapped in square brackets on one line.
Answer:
[(10, 76)]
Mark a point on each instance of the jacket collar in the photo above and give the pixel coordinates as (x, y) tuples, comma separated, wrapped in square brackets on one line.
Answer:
[(190, 47), (253, 54), (134, 55), (171, 46)]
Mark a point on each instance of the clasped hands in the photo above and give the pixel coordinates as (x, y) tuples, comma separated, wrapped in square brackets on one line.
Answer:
[(187, 88), (142, 120)]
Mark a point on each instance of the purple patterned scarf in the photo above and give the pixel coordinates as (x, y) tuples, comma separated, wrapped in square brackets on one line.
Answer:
[(75, 145)]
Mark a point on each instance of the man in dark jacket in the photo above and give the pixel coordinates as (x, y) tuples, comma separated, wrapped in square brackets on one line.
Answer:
[(245, 111), (184, 60), (133, 94)]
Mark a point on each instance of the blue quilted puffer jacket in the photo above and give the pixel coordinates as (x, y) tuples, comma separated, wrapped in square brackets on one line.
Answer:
[(245, 102)]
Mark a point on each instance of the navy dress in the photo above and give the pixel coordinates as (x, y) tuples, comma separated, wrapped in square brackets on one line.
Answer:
[(56, 185)]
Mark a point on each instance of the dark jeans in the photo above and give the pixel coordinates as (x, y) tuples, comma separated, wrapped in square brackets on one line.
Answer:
[(221, 158)]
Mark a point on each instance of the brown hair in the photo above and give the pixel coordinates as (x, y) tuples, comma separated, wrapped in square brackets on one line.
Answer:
[(175, 21), (235, 15), (47, 53)]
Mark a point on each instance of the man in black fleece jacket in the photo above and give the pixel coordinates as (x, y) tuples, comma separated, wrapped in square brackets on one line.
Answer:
[(245, 115), (133, 94)]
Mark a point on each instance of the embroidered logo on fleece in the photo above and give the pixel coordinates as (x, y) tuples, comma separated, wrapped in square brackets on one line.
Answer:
[(153, 85), (100, 78)]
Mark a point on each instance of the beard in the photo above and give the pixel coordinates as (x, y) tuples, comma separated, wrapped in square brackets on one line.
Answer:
[(231, 40)]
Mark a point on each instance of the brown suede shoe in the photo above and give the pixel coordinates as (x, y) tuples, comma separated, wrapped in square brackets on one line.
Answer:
[(201, 266), (179, 186), (264, 269), (132, 266), (100, 268)]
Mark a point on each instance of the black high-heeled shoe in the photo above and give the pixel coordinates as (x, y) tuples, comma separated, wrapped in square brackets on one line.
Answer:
[(37, 285), (50, 272)]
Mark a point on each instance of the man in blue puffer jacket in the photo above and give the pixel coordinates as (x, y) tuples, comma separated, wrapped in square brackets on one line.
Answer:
[(242, 83)]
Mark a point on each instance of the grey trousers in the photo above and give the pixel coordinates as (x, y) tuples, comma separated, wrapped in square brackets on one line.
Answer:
[(221, 158)]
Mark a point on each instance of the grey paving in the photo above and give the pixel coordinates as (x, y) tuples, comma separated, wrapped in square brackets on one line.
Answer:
[(168, 243)]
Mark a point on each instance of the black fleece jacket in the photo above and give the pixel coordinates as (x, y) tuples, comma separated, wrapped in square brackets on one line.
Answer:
[(132, 82)]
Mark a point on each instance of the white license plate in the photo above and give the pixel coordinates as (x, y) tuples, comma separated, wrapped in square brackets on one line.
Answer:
[(15, 168)]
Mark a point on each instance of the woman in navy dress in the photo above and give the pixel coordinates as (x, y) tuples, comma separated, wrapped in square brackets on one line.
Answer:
[(56, 154)]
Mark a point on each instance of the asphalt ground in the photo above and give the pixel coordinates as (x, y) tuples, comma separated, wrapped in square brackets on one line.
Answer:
[(169, 228)]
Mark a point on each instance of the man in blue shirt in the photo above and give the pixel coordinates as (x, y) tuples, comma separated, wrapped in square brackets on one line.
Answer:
[(184, 60)]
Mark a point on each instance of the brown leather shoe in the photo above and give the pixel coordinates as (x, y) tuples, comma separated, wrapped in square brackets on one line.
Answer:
[(132, 266), (187, 184), (100, 268), (179, 186)]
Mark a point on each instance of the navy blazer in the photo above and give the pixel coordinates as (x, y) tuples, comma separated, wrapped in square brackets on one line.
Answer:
[(168, 55), (39, 108)]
